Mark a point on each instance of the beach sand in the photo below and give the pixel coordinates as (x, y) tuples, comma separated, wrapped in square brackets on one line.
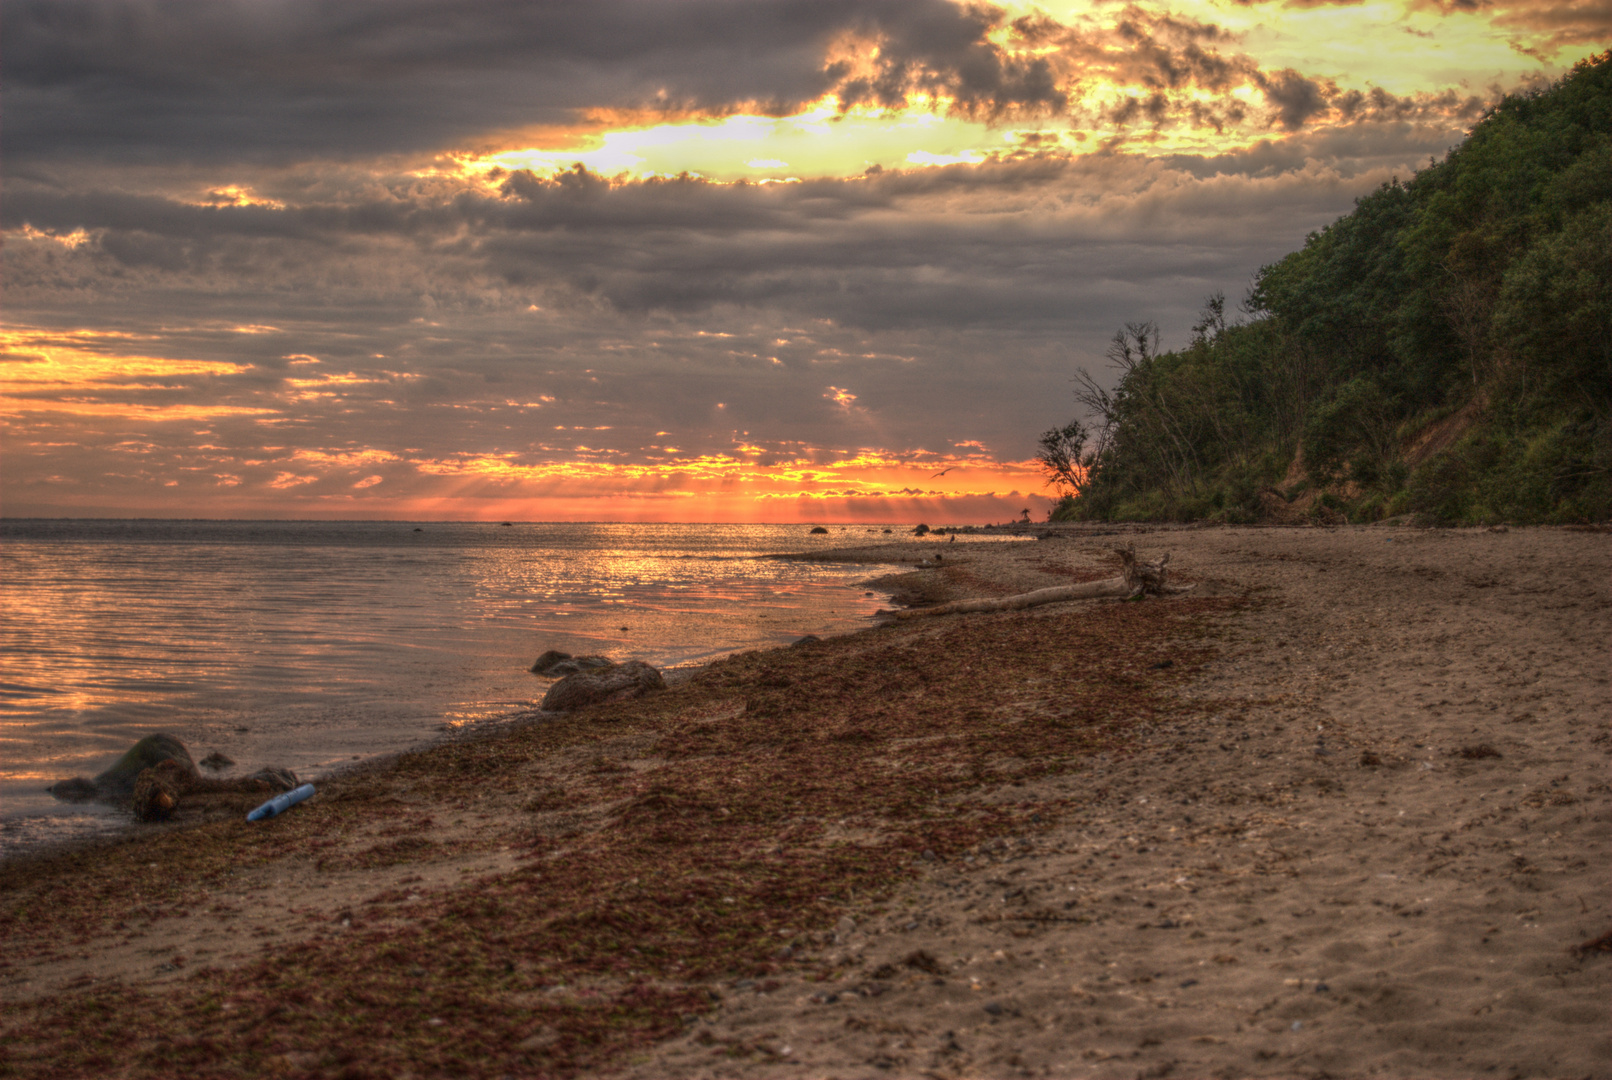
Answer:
[(1343, 810)]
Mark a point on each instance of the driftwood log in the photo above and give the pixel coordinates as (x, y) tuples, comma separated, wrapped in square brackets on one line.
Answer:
[(1137, 579)]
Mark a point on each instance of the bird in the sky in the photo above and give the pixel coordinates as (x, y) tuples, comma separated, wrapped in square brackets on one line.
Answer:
[(944, 471)]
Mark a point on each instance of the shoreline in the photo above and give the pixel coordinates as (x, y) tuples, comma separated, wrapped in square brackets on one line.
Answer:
[(1275, 817)]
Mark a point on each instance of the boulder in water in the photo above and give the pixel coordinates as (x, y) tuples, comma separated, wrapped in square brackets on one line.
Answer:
[(618, 682), (117, 783), (556, 664)]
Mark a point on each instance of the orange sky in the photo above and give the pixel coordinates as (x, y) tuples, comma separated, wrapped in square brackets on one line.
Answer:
[(829, 263)]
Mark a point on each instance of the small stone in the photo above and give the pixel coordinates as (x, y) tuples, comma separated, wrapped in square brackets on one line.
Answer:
[(994, 1009)]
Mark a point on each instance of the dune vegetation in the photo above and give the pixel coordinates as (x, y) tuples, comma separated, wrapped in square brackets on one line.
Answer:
[(1443, 351)]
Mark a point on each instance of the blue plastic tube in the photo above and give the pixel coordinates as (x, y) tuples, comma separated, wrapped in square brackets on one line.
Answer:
[(280, 803)]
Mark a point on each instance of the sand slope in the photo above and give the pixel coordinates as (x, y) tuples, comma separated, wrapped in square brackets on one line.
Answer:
[(1371, 858)]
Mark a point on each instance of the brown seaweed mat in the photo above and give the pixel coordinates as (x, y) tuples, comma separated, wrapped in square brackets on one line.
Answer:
[(555, 897)]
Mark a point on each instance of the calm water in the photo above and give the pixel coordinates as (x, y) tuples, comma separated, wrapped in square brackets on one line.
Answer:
[(312, 644)]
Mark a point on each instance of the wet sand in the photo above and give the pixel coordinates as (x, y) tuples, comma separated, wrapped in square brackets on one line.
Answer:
[(1356, 826)]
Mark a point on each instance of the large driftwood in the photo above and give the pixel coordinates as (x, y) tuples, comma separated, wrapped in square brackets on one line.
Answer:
[(1137, 579)]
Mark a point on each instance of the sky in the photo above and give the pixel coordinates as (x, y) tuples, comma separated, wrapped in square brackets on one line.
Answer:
[(660, 260)]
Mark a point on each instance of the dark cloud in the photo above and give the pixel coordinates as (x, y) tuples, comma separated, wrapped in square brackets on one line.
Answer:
[(881, 252), (347, 316), (1294, 98), (953, 303), (286, 79), (919, 52)]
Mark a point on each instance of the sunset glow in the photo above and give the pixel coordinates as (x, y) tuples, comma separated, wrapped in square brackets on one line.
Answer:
[(834, 269)]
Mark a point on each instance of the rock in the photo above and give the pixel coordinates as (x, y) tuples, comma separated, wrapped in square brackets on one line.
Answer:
[(273, 779), (618, 682), (921, 530), (818, 529), (556, 664), (541, 665), (807, 640), (216, 761), (78, 789), (156, 773), (157, 790), (117, 783)]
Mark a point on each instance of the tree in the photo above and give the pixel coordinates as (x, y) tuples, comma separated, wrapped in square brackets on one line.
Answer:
[(1061, 455)]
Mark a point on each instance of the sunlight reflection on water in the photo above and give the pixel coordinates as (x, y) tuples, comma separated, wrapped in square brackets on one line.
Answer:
[(309, 644)]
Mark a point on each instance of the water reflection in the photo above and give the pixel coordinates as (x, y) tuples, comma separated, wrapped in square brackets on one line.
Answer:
[(306, 643)]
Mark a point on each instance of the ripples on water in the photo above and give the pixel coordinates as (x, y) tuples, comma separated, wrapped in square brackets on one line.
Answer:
[(310, 644)]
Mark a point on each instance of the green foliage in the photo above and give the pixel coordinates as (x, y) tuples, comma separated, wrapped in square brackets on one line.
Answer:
[(1478, 293)]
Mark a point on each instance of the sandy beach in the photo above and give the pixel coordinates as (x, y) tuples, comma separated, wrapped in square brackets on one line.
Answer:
[(1342, 810)]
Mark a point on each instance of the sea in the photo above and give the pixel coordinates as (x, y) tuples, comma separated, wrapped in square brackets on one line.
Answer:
[(312, 645)]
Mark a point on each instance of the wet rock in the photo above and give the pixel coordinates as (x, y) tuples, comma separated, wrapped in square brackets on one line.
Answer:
[(157, 790), (156, 773), (117, 783), (819, 530), (556, 664), (273, 779), (216, 761), (78, 789), (921, 530), (617, 682)]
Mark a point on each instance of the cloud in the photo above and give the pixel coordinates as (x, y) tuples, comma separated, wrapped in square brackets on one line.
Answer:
[(220, 80), (256, 257), (242, 81), (1294, 97)]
